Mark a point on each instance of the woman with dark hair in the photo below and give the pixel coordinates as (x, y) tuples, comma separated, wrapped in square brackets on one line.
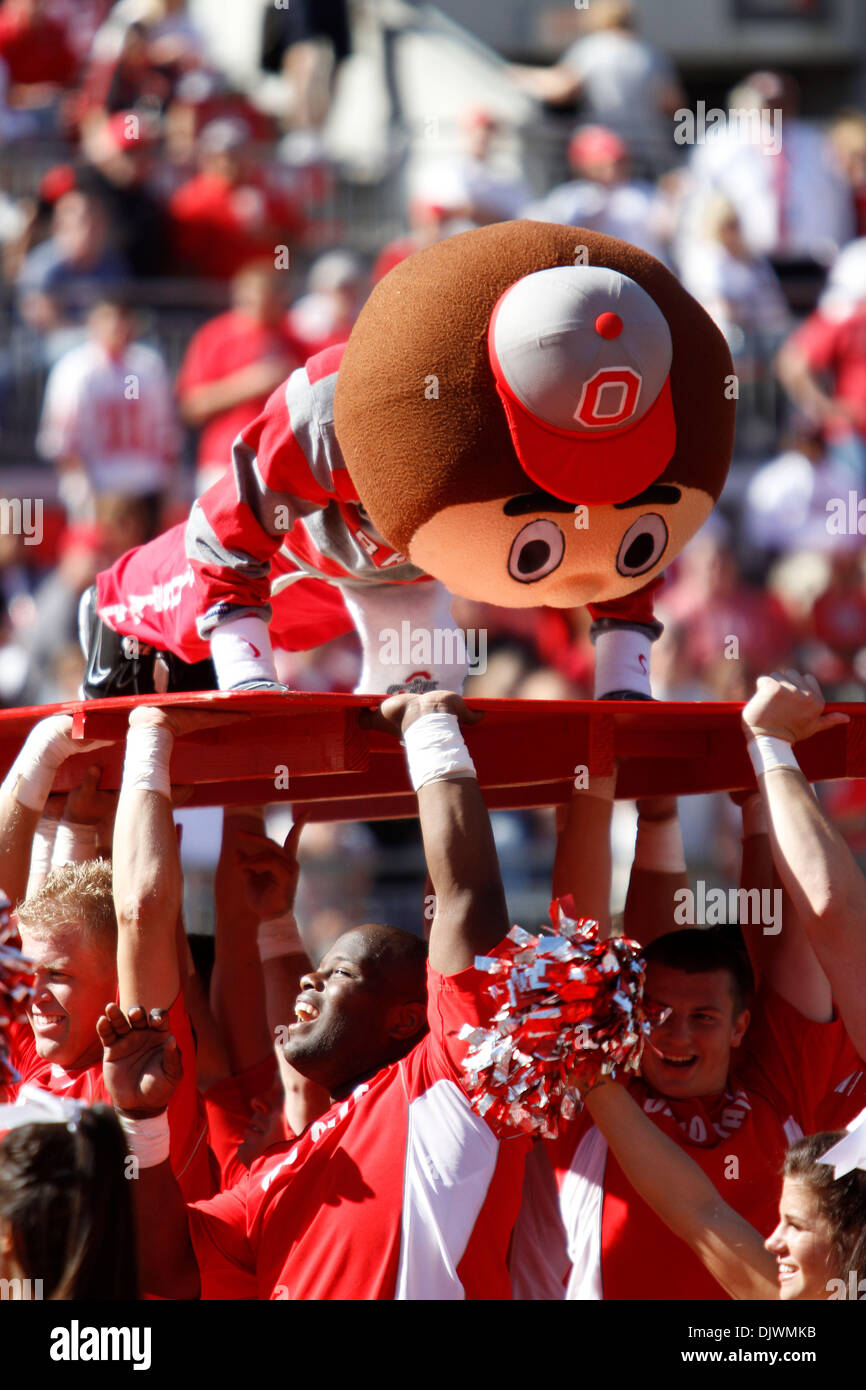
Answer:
[(66, 1219), (818, 1249)]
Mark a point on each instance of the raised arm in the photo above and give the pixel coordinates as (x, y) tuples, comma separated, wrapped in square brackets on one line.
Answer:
[(682, 1196), (148, 887), (25, 791), (141, 1067), (582, 865), (819, 872), (471, 915), (779, 949)]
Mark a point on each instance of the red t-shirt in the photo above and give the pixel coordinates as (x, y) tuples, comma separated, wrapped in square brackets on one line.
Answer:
[(219, 227), (399, 1192), (36, 53), (838, 348), (191, 1159), (584, 1233), (222, 346), (229, 1110)]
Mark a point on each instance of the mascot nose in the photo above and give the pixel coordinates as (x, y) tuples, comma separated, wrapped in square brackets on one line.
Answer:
[(581, 356)]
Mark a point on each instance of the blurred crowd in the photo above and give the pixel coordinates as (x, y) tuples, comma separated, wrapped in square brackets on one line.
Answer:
[(146, 180)]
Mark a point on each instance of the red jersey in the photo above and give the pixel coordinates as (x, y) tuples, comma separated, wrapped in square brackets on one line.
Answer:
[(399, 1192), (585, 1234), (191, 1159), (286, 510), (229, 1110), (219, 227), (224, 345), (36, 52), (838, 347)]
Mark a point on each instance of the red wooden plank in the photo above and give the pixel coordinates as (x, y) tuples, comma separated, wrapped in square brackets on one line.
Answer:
[(526, 751)]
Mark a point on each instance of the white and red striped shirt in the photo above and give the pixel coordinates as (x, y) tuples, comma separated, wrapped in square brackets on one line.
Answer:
[(399, 1192), (286, 509)]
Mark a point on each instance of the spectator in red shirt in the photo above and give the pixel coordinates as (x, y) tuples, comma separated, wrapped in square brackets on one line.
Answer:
[(336, 290), (36, 51), (823, 364), (429, 222), (228, 215), (232, 365), (85, 951)]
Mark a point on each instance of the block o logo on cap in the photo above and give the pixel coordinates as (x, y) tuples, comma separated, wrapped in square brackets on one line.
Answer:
[(582, 358)]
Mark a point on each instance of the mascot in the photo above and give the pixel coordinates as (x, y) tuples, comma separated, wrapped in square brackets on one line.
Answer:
[(525, 414)]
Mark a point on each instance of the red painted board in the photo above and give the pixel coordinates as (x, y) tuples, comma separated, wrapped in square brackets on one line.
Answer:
[(527, 752)]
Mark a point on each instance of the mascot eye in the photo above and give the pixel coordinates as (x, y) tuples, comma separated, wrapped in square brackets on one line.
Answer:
[(643, 545), (537, 550)]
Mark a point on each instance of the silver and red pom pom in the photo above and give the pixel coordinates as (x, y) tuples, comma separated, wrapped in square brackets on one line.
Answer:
[(570, 1006)]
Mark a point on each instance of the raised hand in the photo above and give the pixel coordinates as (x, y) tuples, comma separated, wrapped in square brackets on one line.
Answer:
[(270, 871), (789, 706), (141, 1063), (397, 712), (86, 804), (185, 721)]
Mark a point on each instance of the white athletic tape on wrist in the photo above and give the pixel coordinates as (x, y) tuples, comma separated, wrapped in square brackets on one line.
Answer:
[(659, 846), (73, 844), (42, 850), (241, 651), (147, 1139), (767, 753), (148, 759), (30, 777), (435, 750), (279, 936)]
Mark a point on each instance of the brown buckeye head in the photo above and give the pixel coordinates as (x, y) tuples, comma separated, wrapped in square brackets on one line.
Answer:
[(505, 379)]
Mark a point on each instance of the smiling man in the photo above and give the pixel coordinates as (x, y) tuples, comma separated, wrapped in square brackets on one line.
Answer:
[(733, 1075), (399, 1190), (69, 929)]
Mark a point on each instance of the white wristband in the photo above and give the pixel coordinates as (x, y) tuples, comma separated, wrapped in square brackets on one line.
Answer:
[(30, 777), (42, 850), (767, 753), (241, 651), (148, 759), (149, 1140), (280, 937), (73, 844), (435, 750)]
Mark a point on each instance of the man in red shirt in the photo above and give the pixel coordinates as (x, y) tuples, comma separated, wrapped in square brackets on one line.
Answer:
[(36, 51), (399, 1191), (232, 365), (228, 215), (731, 1075), (84, 953), (823, 368)]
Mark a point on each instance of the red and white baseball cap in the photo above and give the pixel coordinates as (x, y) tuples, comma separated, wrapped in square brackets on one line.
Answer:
[(582, 357)]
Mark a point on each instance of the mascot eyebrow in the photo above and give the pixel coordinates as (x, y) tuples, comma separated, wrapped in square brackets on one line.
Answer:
[(541, 501), (659, 493)]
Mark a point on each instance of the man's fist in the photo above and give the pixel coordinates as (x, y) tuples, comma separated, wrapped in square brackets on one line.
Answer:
[(789, 706), (141, 1064)]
